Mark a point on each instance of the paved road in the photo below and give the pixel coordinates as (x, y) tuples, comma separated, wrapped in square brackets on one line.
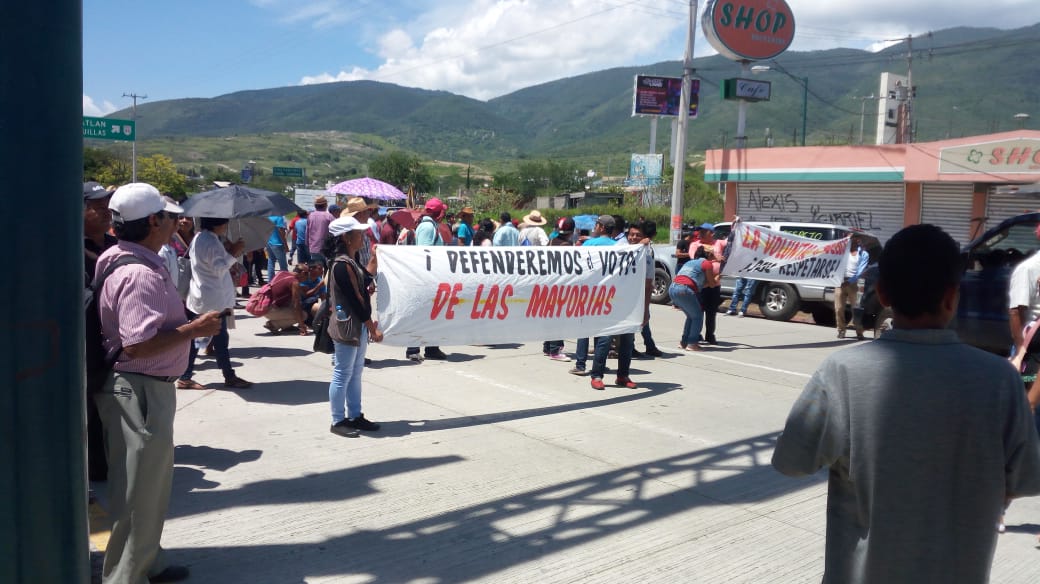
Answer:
[(498, 466)]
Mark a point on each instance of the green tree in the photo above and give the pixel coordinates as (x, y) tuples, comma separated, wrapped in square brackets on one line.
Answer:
[(158, 170), (94, 161), (401, 170)]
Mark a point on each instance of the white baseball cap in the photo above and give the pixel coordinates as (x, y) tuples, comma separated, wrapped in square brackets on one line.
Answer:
[(344, 224), (136, 201)]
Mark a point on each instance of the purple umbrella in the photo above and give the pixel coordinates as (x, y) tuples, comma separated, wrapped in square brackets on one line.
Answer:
[(369, 188)]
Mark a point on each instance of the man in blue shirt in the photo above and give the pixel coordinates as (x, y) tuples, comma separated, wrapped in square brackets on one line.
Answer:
[(276, 247), (603, 234), (849, 290), (465, 230), (506, 234)]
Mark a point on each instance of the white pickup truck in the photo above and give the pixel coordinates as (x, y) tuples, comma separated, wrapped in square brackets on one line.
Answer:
[(776, 300)]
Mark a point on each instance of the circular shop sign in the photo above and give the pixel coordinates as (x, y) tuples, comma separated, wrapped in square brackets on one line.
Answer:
[(748, 30)]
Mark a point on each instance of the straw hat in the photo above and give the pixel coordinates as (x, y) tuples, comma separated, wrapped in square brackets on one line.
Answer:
[(534, 218)]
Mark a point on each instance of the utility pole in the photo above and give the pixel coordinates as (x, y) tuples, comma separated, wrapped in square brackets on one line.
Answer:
[(133, 145), (863, 113), (679, 166)]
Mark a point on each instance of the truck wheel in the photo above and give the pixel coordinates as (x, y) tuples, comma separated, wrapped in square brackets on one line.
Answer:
[(661, 283), (779, 301)]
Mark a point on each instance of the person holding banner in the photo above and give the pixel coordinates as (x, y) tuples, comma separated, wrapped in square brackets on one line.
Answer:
[(685, 293), (849, 289), (604, 235), (427, 233), (351, 326)]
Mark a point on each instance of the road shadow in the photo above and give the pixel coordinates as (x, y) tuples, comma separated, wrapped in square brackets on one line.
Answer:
[(288, 393), (477, 541), (814, 345), (338, 485), (212, 458), (399, 428)]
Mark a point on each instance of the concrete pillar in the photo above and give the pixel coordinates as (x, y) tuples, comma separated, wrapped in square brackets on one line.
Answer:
[(43, 489)]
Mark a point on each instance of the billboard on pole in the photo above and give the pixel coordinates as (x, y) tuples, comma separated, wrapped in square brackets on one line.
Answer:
[(644, 170), (659, 96)]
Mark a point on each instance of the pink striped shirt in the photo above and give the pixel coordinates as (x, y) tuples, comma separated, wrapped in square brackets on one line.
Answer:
[(139, 301)]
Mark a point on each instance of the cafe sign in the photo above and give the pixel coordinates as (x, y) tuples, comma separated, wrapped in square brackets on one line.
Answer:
[(748, 30), (1018, 156)]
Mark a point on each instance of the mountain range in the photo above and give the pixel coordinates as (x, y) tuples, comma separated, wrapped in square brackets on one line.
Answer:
[(968, 81)]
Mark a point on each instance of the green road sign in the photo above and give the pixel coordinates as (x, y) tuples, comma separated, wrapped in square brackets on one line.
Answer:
[(108, 129), (288, 171)]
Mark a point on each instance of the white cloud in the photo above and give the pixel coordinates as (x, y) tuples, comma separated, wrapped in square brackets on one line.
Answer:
[(94, 110), (494, 47), (487, 48)]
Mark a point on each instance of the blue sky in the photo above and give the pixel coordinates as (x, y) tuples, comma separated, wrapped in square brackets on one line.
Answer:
[(170, 49)]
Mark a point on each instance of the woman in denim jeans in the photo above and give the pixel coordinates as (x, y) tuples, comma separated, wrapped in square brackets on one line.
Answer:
[(351, 295), (684, 294)]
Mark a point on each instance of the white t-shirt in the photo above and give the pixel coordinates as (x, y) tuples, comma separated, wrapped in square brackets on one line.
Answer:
[(1022, 290)]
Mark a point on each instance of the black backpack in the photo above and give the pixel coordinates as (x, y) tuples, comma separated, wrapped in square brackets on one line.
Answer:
[(98, 366)]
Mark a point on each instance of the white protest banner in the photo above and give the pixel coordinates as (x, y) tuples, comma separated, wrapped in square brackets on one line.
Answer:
[(764, 254), (487, 295)]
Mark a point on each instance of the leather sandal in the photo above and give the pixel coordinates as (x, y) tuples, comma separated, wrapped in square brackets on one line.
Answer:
[(189, 384)]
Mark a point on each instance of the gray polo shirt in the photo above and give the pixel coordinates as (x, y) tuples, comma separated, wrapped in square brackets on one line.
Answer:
[(924, 437)]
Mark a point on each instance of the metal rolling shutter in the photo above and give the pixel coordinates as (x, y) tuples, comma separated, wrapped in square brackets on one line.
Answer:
[(1001, 207), (948, 205), (874, 207)]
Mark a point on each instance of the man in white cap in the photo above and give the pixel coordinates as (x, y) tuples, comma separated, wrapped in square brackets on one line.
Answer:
[(146, 331)]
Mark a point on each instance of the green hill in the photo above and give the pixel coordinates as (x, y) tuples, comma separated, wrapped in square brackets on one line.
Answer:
[(969, 81)]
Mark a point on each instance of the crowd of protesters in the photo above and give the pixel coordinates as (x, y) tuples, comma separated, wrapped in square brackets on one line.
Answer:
[(175, 300)]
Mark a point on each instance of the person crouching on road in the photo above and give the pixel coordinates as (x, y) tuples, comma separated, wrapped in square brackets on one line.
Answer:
[(350, 326), (287, 309)]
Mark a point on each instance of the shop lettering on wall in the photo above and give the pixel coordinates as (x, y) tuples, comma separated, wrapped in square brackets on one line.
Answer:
[(857, 219)]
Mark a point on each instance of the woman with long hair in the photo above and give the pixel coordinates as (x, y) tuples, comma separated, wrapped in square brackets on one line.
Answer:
[(684, 291), (350, 326)]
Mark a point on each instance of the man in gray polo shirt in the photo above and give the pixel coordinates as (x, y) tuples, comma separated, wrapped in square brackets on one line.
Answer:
[(145, 328), (924, 436)]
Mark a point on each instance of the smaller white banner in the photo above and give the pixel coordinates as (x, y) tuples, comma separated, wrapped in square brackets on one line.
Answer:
[(493, 295), (764, 254)]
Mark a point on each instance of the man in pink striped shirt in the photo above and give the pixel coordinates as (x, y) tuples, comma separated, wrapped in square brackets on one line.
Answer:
[(145, 327)]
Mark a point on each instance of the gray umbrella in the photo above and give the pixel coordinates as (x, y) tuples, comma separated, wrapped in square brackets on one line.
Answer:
[(283, 205), (228, 203)]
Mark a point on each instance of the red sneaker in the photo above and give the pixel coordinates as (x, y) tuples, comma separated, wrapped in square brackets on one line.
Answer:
[(597, 383), (625, 382)]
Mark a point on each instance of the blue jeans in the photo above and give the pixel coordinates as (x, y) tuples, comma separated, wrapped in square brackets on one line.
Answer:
[(275, 252), (744, 289), (648, 337), (220, 348), (581, 353), (685, 298), (624, 350), (348, 362), (302, 255)]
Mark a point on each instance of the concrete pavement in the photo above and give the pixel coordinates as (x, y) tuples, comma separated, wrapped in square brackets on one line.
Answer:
[(498, 466)]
